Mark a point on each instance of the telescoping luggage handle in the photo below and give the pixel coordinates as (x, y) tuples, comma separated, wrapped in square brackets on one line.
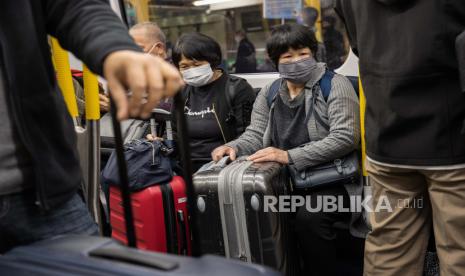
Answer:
[(184, 151), (123, 175)]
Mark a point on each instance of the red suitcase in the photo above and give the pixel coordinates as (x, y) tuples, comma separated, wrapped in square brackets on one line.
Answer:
[(160, 214)]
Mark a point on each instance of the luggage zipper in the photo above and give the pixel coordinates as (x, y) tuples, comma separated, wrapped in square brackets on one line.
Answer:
[(219, 124)]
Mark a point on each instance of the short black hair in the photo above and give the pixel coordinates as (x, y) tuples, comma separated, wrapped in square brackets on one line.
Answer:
[(284, 37), (199, 47)]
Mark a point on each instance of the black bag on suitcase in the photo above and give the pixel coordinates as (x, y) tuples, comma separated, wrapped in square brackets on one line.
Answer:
[(231, 219), (131, 129), (82, 255)]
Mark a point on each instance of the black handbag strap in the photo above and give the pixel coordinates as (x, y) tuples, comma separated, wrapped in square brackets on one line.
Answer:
[(123, 175)]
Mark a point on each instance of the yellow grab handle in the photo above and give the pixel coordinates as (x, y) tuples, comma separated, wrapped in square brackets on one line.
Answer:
[(65, 81), (91, 93), (362, 123)]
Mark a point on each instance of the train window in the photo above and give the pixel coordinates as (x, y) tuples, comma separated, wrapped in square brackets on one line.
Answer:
[(241, 27)]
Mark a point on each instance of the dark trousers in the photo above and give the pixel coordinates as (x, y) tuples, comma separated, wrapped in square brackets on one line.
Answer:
[(317, 235), (22, 222)]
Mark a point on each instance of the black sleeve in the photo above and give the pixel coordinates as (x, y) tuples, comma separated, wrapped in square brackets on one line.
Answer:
[(88, 28), (243, 101), (344, 9)]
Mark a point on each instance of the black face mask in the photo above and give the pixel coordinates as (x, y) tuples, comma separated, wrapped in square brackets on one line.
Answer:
[(298, 71)]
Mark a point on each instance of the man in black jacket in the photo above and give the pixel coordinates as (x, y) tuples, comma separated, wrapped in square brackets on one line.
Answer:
[(39, 168), (415, 130)]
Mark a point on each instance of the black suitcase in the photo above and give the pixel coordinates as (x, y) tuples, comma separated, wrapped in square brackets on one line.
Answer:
[(230, 214), (82, 255)]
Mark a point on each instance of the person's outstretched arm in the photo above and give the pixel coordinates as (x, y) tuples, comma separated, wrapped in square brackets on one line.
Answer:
[(93, 32)]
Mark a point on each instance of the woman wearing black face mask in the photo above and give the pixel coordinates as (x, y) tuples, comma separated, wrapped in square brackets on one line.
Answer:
[(217, 105), (284, 130)]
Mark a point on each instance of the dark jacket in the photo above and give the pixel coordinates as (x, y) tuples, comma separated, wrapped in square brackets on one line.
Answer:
[(234, 107), (415, 108), (88, 28)]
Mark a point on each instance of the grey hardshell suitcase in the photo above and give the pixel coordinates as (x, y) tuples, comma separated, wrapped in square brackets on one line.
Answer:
[(230, 216)]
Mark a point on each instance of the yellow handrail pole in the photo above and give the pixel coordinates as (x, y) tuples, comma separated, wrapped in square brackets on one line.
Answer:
[(65, 81), (362, 124), (91, 94), (367, 189)]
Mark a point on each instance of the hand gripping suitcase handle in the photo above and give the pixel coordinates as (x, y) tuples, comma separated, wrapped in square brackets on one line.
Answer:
[(123, 175)]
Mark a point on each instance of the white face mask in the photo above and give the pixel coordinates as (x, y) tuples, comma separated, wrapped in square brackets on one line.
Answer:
[(198, 76)]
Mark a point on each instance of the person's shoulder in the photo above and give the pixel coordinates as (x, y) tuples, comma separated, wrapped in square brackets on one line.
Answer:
[(342, 86), (241, 87), (339, 79), (238, 82), (234, 78), (265, 90)]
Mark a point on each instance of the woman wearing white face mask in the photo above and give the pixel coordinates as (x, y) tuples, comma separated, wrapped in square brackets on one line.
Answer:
[(296, 123), (217, 106)]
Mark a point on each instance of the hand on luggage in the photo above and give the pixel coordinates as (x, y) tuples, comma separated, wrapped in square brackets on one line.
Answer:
[(221, 151), (150, 137), (145, 75), (270, 154)]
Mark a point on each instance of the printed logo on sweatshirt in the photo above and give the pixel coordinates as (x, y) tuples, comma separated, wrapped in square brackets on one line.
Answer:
[(202, 113)]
